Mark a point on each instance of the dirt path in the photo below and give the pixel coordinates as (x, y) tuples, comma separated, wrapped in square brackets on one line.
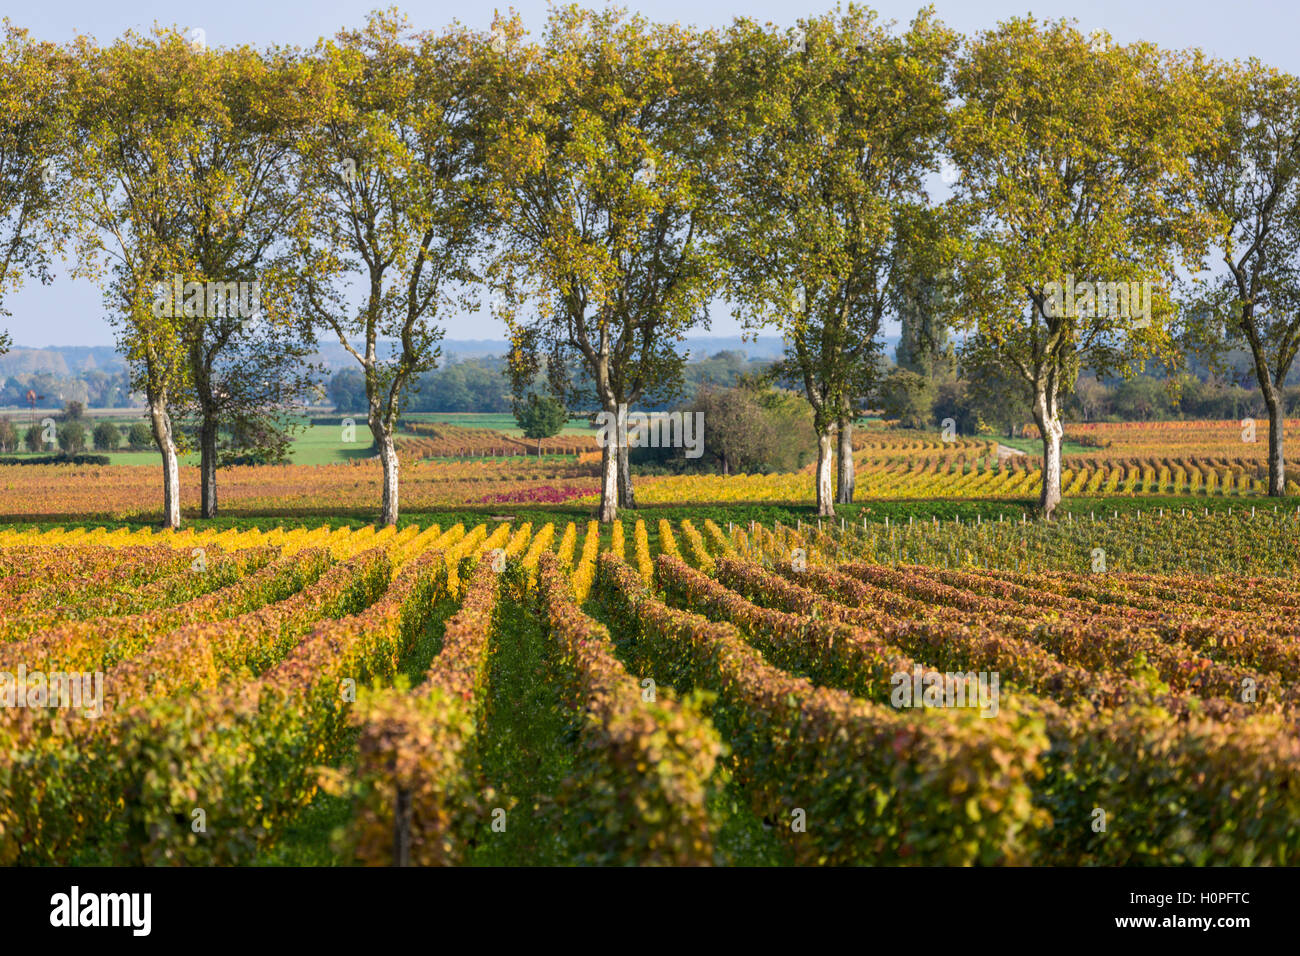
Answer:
[(1006, 451)]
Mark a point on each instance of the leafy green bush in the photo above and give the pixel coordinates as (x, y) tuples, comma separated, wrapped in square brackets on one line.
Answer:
[(107, 436), (140, 437)]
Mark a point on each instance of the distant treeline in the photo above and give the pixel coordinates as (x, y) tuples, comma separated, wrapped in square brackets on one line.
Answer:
[(978, 406), (92, 388), (482, 385)]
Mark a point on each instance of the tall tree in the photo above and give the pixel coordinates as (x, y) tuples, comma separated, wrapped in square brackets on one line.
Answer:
[(1249, 179), (236, 210), (33, 138), (1074, 183), (602, 160), (540, 416), (389, 172), (839, 123), (128, 104)]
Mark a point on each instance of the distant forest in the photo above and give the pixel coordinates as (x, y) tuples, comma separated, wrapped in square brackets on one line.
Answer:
[(482, 385)]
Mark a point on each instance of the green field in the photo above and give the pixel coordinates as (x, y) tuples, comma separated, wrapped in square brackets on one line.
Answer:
[(1033, 446), (500, 421), (312, 445)]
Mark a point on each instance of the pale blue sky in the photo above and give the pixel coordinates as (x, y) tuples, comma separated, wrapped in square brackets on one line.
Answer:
[(70, 313)]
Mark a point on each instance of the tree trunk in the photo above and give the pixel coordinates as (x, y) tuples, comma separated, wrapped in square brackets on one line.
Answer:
[(201, 370), (625, 497), (162, 435), (844, 476), (825, 447), (402, 828), (1049, 427), (388, 458), (1272, 400), (208, 465), (1276, 454), (609, 482)]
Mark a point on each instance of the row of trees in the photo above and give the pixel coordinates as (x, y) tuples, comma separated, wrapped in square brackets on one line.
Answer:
[(70, 437), (483, 384), (93, 387), (917, 401), (610, 179), (476, 385)]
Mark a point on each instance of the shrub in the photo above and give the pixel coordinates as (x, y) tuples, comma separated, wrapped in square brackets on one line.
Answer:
[(34, 438), (140, 437), (107, 436), (72, 437)]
